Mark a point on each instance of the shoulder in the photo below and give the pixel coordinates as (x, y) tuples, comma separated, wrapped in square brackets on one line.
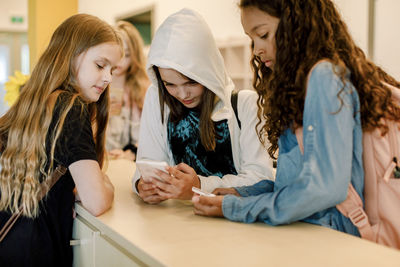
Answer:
[(79, 112), (325, 79), (152, 94), (247, 104), (65, 99), (324, 70), (247, 97), (329, 86), (322, 67), (68, 110), (151, 107)]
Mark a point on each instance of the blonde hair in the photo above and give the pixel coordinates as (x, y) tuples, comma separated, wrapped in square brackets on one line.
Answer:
[(24, 129), (136, 77)]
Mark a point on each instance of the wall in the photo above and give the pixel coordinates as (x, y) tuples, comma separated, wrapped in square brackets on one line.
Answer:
[(387, 37), (355, 14), (223, 15), (44, 17), (10, 8)]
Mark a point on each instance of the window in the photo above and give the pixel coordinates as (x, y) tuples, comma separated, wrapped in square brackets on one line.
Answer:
[(14, 55), (142, 20)]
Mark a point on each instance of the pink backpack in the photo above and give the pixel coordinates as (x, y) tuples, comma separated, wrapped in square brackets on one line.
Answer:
[(379, 221)]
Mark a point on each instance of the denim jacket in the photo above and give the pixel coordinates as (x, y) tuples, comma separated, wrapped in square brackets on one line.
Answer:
[(307, 187)]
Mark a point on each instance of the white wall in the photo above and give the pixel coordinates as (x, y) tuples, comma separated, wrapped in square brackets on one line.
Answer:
[(222, 15), (10, 8), (224, 20), (387, 37), (355, 14)]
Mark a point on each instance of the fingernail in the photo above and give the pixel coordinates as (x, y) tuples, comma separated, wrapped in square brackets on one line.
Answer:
[(195, 198)]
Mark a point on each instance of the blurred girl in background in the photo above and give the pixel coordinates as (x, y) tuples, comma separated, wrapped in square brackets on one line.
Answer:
[(127, 92)]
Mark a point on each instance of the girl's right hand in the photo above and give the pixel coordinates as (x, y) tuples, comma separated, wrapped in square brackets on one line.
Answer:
[(226, 191), (148, 192)]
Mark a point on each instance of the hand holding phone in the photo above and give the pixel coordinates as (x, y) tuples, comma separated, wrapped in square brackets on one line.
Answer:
[(201, 192), (149, 169)]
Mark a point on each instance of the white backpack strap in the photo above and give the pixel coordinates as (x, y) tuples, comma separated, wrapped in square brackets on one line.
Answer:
[(352, 207)]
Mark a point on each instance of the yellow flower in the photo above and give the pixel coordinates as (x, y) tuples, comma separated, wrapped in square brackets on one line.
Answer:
[(13, 85)]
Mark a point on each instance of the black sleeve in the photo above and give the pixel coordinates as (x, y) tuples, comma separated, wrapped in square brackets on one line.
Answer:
[(76, 139), (130, 147)]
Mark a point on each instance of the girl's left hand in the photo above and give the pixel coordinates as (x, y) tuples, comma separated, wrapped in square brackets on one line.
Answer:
[(208, 206), (178, 182)]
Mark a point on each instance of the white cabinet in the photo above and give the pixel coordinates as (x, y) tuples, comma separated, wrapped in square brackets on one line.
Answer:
[(108, 253), (237, 55), (83, 243), (92, 248)]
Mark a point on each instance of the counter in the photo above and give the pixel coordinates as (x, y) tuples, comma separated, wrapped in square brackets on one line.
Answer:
[(133, 233)]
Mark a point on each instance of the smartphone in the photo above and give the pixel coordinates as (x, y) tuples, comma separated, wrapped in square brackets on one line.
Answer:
[(202, 193), (149, 168)]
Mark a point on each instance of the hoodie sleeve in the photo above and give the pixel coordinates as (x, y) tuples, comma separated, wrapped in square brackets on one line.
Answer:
[(152, 137), (253, 162)]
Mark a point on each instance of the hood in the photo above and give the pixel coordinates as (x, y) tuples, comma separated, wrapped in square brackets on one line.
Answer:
[(184, 42)]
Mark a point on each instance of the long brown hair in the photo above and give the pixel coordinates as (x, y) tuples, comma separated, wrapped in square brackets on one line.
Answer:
[(308, 32), (136, 77), (178, 111), (25, 127)]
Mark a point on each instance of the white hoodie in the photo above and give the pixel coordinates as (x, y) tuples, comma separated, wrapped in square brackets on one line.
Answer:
[(184, 43)]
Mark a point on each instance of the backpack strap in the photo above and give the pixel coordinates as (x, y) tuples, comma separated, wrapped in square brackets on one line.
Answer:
[(55, 175), (352, 207), (234, 103)]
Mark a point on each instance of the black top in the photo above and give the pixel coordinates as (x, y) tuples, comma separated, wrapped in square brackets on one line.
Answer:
[(185, 143), (44, 241)]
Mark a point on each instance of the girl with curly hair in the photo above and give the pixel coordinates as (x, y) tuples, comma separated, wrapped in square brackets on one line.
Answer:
[(308, 72), (59, 118)]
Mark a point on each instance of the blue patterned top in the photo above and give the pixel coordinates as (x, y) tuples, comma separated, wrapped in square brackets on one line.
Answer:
[(186, 146)]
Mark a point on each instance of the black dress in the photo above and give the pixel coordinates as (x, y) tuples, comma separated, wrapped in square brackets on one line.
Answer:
[(44, 241)]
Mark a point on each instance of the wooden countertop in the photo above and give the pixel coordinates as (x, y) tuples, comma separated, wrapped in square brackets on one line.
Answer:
[(169, 234)]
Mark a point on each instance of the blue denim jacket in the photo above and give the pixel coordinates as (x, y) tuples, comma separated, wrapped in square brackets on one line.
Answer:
[(307, 187)]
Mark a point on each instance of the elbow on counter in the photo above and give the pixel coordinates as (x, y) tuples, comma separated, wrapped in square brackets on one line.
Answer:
[(102, 205)]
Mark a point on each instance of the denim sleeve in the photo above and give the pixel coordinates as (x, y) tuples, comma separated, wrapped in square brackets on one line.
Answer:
[(256, 189), (326, 170)]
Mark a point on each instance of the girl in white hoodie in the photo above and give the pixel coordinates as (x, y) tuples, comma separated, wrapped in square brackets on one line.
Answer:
[(188, 120)]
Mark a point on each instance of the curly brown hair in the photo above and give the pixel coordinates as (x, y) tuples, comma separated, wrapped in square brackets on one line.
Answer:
[(310, 31)]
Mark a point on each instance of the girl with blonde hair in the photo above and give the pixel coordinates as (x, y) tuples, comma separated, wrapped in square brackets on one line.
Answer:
[(59, 118), (130, 79)]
